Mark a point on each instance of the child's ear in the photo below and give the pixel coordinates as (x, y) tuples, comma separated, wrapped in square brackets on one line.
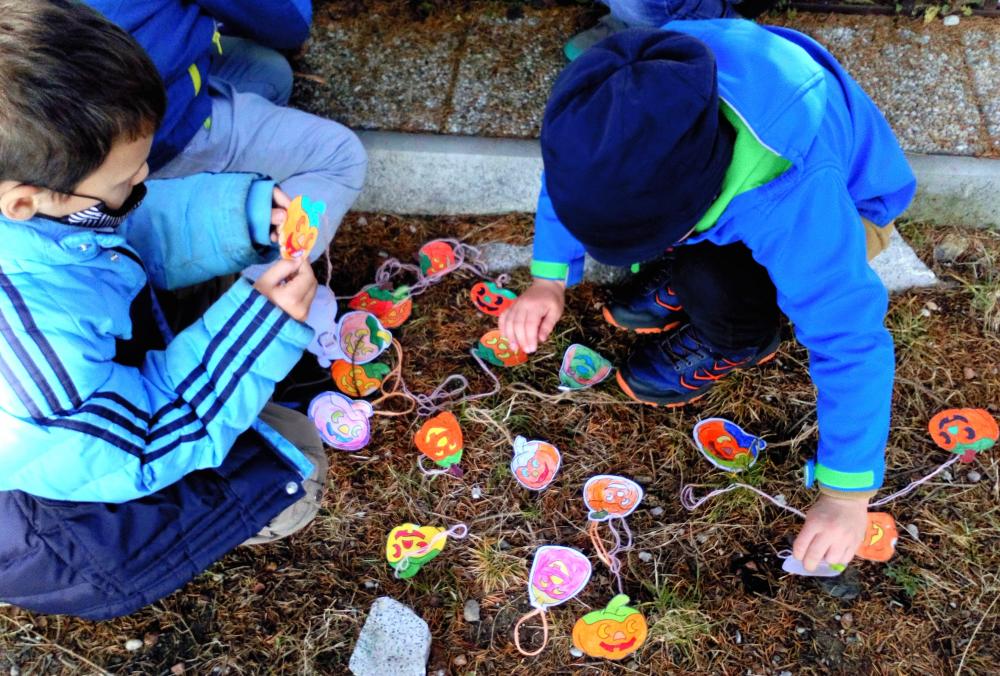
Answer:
[(21, 202)]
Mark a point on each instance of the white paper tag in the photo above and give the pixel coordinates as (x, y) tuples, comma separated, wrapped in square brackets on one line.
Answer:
[(794, 566)]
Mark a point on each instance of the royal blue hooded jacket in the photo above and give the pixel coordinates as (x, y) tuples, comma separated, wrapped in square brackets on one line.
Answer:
[(804, 227), (181, 36)]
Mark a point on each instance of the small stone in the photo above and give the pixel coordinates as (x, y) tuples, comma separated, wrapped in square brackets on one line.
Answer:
[(947, 476), (476, 492), (969, 373), (656, 511), (645, 557), (781, 499), (394, 640), (785, 673), (800, 630), (15, 670), (847, 620), (951, 20), (177, 669), (952, 604), (702, 538), (150, 639), (924, 312), (259, 588), (133, 644), (383, 254), (470, 611), (503, 545), (950, 248), (738, 637), (837, 617), (362, 220), (460, 661), (575, 652), (371, 584), (912, 529), (644, 479), (932, 306), (412, 229), (973, 476)]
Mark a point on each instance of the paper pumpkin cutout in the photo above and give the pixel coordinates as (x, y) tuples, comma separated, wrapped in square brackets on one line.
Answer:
[(362, 338), (964, 431), (557, 575), (410, 546), (391, 307), (582, 367), (612, 633), (491, 299), (726, 445), (342, 423), (436, 257), (609, 497), (496, 349), (823, 569), (880, 538), (298, 234), (358, 380), (535, 463), (440, 439)]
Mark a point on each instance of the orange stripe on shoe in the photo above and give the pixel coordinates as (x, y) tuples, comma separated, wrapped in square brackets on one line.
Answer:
[(628, 390)]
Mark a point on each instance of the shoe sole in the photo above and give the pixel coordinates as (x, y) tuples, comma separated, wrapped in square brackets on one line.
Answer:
[(677, 404), (609, 318)]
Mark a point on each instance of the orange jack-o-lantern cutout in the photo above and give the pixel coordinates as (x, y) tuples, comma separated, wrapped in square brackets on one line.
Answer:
[(609, 496), (436, 257), (298, 233), (358, 380), (495, 348), (492, 299), (612, 633), (440, 439), (880, 538), (964, 431), (392, 307)]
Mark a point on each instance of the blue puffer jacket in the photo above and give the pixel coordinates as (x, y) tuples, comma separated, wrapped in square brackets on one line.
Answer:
[(180, 37), (119, 480), (804, 227)]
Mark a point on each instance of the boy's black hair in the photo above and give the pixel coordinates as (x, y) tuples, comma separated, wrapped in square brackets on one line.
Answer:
[(72, 84)]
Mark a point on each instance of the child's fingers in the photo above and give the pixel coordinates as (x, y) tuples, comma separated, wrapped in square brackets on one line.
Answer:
[(843, 554), (529, 332), (819, 550), (802, 542), (277, 273), (280, 198), (548, 323), (278, 216)]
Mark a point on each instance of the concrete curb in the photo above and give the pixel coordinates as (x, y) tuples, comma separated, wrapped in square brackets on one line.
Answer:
[(451, 175)]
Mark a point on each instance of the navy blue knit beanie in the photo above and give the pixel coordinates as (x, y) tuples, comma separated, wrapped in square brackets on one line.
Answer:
[(633, 143)]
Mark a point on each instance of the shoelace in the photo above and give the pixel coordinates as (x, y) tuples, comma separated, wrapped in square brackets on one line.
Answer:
[(683, 345)]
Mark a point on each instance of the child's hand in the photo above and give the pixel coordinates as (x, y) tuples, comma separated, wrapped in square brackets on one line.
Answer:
[(534, 314), (833, 532), (279, 211), (289, 284)]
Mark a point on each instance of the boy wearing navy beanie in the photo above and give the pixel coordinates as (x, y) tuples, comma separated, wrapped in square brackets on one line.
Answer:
[(749, 176)]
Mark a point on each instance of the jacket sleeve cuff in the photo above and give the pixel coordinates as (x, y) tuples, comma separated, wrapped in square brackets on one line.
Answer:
[(847, 482), (549, 270), (259, 214)]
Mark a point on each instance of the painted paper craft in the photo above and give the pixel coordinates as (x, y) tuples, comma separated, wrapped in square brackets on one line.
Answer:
[(357, 338), (823, 569), (880, 538), (489, 298), (391, 306), (496, 349), (557, 575), (342, 423), (410, 547), (358, 380), (535, 463), (611, 497), (726, 445), (615, 632), (440, 439), (964, 431), (437, 257), (582, 367), (298, 234)]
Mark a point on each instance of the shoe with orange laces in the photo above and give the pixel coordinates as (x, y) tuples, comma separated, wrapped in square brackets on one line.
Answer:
[(647, 304), (680, 368)]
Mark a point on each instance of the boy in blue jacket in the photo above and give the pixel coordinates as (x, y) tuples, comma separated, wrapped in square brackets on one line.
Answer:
[(131, 458), (746, 172), (226, 96)]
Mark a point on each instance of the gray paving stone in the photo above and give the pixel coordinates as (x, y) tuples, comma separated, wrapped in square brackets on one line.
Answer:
[(916, 75), (506, 73), (982, 54), (394, 641)]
